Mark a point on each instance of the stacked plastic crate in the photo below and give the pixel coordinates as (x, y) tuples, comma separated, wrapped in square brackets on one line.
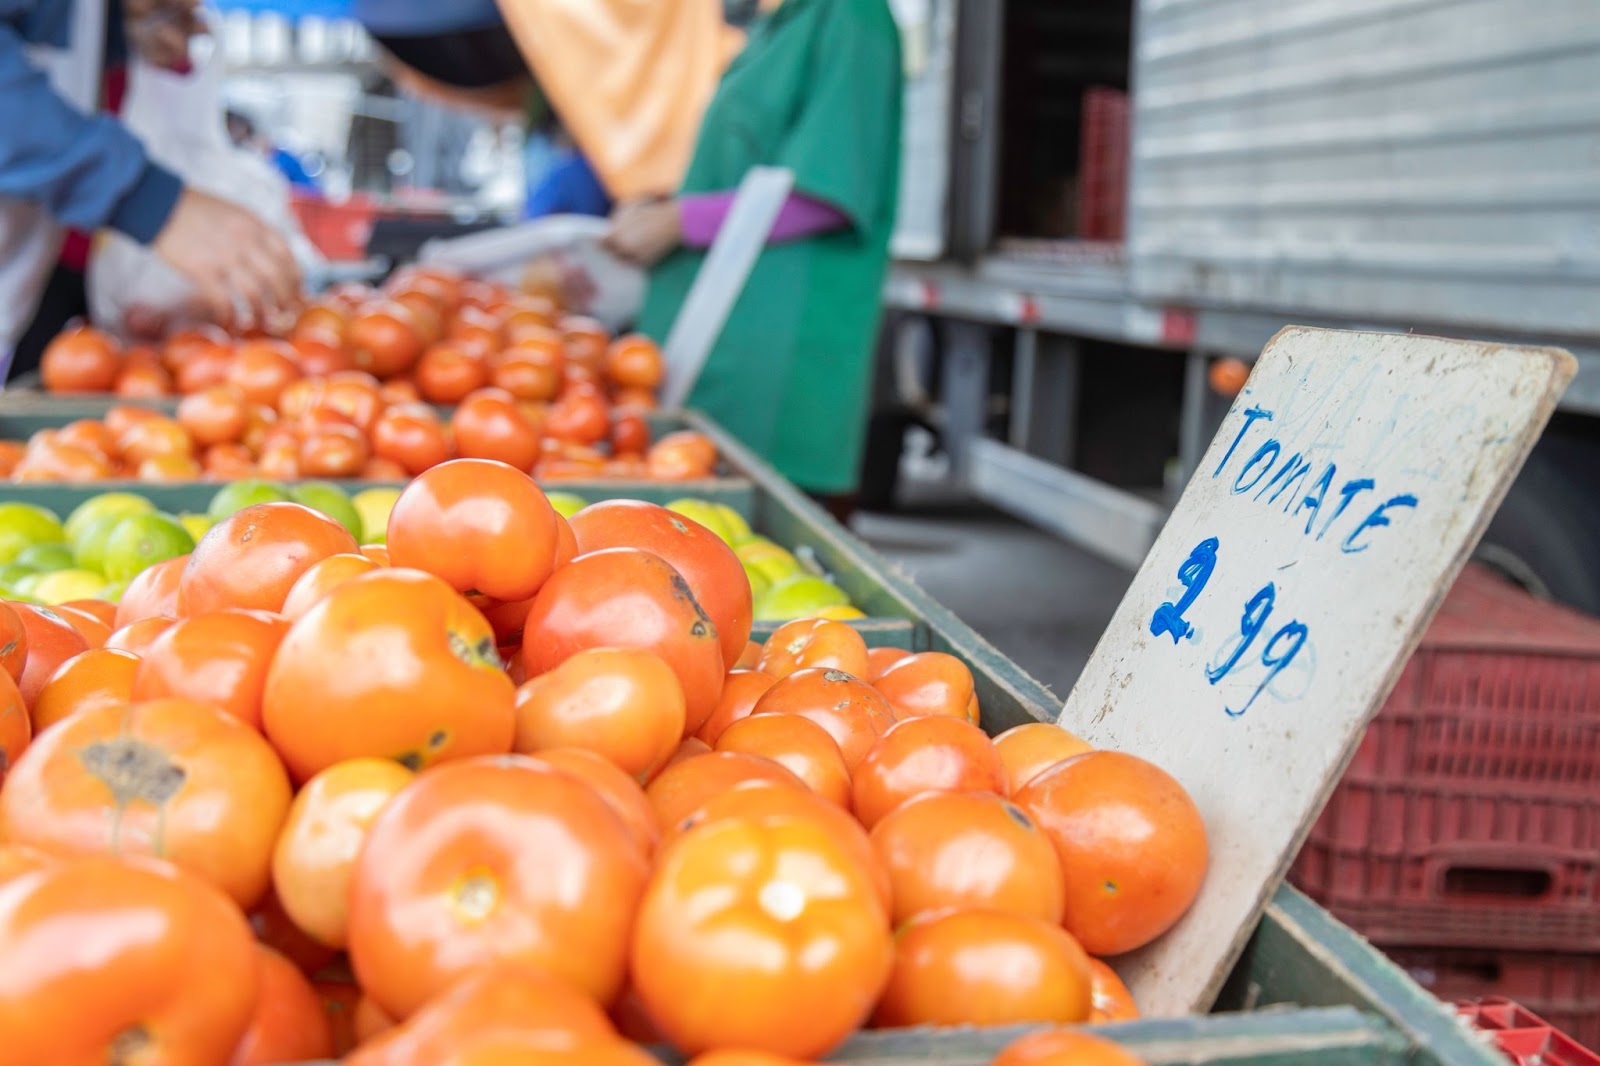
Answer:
[(1465, 838)]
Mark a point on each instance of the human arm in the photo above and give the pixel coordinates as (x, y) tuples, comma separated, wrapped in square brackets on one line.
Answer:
[(645, 231)]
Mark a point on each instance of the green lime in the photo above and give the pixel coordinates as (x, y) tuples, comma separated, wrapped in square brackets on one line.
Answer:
[(107, 503), (24, 586), (759, 582), (704, 513), (801, 596), (63, 586), (89, 547), (737, 525), (11, 573), (237, 495), (566, 504), (22, 524), (331, 500), (141, 541), (42, 558), (374, 505), (198, 525)]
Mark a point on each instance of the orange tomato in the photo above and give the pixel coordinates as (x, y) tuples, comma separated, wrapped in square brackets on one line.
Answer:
[(585, 340), (1112, 1000), (376, 469), (688, 748), (155, 438), (1227, 376), (684, 787), (80, 359), (354, 394), (151, 987), (880, 659), (681, 456), (19, 859), (252, 558), (529, 370), (489, 425), (622, 703), (143, 383), (800, 746), (411, 435), (742, 1057), (262, 369), (740, 691), (917, 755), (969, 850), (431, 686), (482, 526), (715, 576), (315, 855), (135, 637), (16, 730), (929, 683), (1131, 842), (630, 433), (88, 624), (626, 598), (814, 946), (13, 641), (1064, 1047), (288, 1025), (813, 642), (275, 929), (99, 677), (87, 433), (323, 578), (975, 967), (450, 371), (336, 451), (370, 1021), (580, 417), (378, 553), (220, 658), (384, 340), (51, 641), (620, 791), (169, 778), (1029, 749), (217, 415), (851, 711), (495, 1003), (635, 362), (153, 593), (493, 859)]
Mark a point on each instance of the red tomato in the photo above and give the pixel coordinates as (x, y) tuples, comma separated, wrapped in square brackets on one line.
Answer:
[(220, 658), (288, 1025), (253, 557), (918, 755), (489, 425)]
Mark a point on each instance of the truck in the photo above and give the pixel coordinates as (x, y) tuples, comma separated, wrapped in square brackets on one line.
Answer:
[(1106, 204)]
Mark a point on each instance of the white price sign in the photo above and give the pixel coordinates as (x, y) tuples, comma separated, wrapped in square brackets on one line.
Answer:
[(1346, 488)]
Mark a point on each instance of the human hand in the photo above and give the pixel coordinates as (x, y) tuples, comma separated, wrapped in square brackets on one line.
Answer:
[(242, 267), (644, 231), (159, 30)]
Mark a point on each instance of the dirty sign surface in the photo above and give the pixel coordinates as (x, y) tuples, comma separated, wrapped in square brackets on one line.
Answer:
[(1344, 491)]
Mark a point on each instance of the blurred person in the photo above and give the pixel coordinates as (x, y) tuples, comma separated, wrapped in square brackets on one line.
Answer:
[(63, 164), (817, 89), (566, 184), (243, 133)]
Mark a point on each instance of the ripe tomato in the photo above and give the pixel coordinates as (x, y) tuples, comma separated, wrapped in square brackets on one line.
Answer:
[(354, 394), (178, 780), (93, 631), (1029, 749), (430, 688), (635, 362), (636, 400), (1064, 1047), (489, 425), (481, 526), (493, 859), (81, 359), (252, 558), (494, 1003), (154, 438), (740, 691), (87, 433), (813, 642), (228, 462), (583, 418), (800, 746), (476, 332), (13, 641), (262, 369), (630, 433), (976, 967), (15, 728), (220, 658), (143, 383), (932, 754), (411, 435), (688, 748), (622, 703), (684, 787), (620, 791), (169, 468), (384, 340), (585, 341), (218, 415), (814, 951), (99, 677), (970, 850), (626, 598), (274, 928), (1227, 376), (450, 371), (682, 456), (742, 1057), (929, 683), (370, 1021), (376, 469), (288, 1025), (152, 594), (315, 855), (340, 1000), (337, 451), (151, 988), (322, 579), (853, 714), (135, 637), (121, 417), (378, 553), (1112, 1000), (715, 576), (19, 859), (1131, 842), (51, 641), (529, 370)]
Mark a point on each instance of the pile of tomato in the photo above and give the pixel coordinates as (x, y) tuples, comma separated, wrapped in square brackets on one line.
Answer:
[(515, 788), (353, 390)]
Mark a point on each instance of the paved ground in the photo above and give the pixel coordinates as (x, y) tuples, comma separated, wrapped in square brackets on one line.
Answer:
[(1040, 601)]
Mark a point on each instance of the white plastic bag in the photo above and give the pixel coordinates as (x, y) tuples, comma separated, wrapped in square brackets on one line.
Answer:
[(179, 119)]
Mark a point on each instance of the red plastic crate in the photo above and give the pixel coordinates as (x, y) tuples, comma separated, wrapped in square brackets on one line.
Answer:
[(1522, 1036), (1103, 165), (1562, 989), (339, 231), (1470, 815)]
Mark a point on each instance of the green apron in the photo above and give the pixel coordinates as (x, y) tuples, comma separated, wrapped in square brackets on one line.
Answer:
[(817, 89)]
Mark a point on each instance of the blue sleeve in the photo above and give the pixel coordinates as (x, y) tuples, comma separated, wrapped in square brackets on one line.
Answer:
[(568, 188), (86, 170)]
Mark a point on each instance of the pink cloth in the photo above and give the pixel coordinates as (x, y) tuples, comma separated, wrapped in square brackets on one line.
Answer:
[(800, 216)]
